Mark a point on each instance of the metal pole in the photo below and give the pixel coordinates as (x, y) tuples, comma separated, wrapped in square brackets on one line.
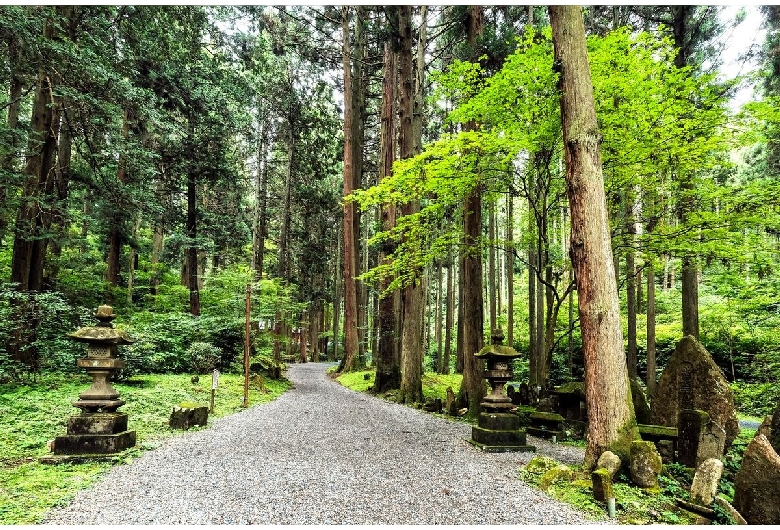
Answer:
[(246, 346)]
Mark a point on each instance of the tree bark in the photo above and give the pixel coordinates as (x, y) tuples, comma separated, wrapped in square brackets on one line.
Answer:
[(261, 201), (413, 303), (34, 218), (350, 361), (611, 421), (510, 270), (473, 386), (651, 362), (388, 365)]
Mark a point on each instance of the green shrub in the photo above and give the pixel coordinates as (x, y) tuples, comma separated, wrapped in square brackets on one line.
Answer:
[(203, 357)]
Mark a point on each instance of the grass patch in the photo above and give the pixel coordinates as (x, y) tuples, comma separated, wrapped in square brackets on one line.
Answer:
[(30, 415), (634, 505), (434, 385)]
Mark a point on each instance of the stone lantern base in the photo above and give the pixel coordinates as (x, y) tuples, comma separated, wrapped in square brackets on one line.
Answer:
[(498, 432), (93, 434)]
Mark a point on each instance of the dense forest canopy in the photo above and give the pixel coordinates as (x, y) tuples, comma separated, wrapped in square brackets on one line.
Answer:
[(388, 180)]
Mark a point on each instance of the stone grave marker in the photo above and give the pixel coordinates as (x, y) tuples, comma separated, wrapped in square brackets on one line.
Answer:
[(699, 438), (692, 380), (757, 483)]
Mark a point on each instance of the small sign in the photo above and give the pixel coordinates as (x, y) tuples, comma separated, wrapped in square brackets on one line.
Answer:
[(214, 380)]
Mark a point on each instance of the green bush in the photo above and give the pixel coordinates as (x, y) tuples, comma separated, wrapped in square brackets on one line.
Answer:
[(755, 399), (203, 357)]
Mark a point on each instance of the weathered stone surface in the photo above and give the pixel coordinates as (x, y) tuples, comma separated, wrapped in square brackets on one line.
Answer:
[(609, 461), (186, 417), (730, 510), (692, 380), (641, 408), (705, 481), (699, 438), (98, 423), (757, 483), (561, 472), (602, 484), (774, 435), (645, 464), (84, 444), (499, 421), (450, 403)]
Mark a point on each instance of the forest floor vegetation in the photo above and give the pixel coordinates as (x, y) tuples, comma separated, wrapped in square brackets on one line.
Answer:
[(32, 414)]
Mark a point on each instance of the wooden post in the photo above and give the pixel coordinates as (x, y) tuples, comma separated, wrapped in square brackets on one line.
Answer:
[(246, 346), (214, 385)]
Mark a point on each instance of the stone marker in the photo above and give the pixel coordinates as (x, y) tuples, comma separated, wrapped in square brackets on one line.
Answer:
[(609, 461), (559, 472), (705, 481), (757, 483), (645, 464), (774, 435), (699, 438), (602, 484), (184, 417), (450, 403), (692, 380)]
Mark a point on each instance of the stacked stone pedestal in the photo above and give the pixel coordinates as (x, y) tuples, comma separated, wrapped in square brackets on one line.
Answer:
[(498, 432), (95, 433)]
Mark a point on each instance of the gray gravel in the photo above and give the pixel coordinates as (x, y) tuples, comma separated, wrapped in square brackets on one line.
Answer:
[(322, 454)]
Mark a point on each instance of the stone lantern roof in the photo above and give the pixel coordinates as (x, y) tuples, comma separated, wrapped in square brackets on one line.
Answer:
[(497, 349)]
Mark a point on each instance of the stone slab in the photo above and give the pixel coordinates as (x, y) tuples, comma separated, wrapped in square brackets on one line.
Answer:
[(499, 421), (493, 437), (502, 448), (98, 423), (93, 443)]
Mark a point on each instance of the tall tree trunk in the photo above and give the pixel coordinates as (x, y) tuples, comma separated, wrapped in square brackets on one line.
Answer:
[(413, 303), (191, 227), (492, 290), (338, 282), (359, 87), (115, 239), (450, 313), (34, 217), (611, 421), (261, 201), (350, 361), (631, 354), (388, 366), (510, 270), (438, 317), (473, 386), (651, 363)]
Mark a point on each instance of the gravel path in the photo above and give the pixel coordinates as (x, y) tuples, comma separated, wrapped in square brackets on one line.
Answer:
[(322, 454)]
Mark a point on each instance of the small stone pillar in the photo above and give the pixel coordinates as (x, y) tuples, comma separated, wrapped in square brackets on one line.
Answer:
[(99, 429), (498, 428)]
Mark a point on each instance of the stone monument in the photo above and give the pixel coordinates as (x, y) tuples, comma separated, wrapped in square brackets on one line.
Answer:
[(99, 429), (498, 428), (692, 381)]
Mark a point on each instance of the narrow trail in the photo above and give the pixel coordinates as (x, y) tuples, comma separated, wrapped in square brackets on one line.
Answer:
[(319, 454)]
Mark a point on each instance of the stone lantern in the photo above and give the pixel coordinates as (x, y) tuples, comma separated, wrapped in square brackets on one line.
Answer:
[(498, 428), (99, 429)]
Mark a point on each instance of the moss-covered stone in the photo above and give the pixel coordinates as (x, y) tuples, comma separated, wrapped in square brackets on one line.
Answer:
[(540, 464), (645, 464), (575, 387), (602, 484), (559, 472)]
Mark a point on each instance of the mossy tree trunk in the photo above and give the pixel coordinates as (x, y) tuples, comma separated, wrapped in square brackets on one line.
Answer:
[(611, 421)]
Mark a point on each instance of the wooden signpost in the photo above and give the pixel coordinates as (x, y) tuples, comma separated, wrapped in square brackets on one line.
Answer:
[(214, 385)]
